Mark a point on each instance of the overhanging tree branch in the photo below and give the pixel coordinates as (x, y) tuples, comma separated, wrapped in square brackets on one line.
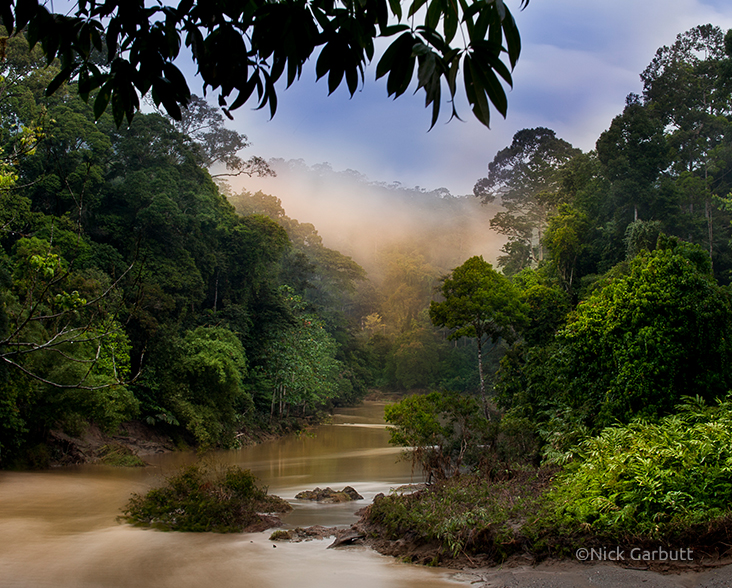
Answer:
[(121, 50)]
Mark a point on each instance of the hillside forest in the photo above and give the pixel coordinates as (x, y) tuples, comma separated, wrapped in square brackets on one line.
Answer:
[(137, 284)]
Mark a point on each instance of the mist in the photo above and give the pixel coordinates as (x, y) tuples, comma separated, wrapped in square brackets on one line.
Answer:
[(362, 219)]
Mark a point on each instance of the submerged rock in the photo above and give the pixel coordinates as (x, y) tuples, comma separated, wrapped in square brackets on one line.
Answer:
[(330, 496), (352, 535), (299, 534)]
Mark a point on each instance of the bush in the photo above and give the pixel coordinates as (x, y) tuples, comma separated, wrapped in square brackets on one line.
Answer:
[(116, 454), (650, 480), (204, 498), (439, 429), (646, 339)]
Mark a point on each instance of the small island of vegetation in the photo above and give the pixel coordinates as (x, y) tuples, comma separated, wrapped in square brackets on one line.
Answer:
[(207, 498)]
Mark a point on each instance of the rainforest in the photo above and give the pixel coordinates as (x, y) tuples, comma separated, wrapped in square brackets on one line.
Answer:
[(553, 352)]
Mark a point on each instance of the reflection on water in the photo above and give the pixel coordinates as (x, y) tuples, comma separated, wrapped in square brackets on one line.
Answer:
[(58, 528)]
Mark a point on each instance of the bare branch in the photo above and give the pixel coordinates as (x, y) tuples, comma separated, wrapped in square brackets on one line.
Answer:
[(79, 386)]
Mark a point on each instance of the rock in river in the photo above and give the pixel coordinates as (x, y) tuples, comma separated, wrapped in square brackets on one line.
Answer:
[(330, 496)]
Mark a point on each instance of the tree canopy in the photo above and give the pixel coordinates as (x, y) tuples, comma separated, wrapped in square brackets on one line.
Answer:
[(119, 50), (130, 287), (479, 302), (649, 337), (525, 178)]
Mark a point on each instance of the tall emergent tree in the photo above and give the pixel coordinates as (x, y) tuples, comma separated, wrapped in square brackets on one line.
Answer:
[(633, 152), (217, 145), (479, 302), (122, 49), (688, 86), (525, 178)]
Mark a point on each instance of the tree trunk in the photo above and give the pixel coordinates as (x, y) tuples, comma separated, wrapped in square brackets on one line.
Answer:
[(483, 399), (710, 227), (216, 291)]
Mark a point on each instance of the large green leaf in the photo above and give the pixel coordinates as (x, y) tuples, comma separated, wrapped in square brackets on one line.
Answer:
[(248, 46)]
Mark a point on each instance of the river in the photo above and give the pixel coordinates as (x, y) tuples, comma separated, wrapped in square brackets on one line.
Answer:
[(58, 528)]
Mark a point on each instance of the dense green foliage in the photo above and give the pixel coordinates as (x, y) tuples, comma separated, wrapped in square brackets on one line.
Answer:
[(525, 176), (130, 286), (627, 313), (467, 514), (203, 498), (650, 479), (636, 485), (481, 303), (205, 385), (441, 431), (652, 331), (647, 338)]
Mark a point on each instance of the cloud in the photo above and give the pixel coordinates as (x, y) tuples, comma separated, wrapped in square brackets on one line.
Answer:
[(580, 59)]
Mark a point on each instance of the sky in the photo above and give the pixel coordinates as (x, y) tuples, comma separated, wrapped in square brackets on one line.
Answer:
[(580, 59)]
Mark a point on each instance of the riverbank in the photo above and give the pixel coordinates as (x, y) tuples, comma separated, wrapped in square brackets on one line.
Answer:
[(521, 571), (498, 525), (135, 441), (573, 574), (130, 445), (133, 444)]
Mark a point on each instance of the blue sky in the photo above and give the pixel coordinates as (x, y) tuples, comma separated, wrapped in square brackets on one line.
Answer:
[(580, 59)]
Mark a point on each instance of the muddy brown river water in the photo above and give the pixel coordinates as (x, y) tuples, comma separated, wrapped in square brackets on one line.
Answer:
[(58, 528)]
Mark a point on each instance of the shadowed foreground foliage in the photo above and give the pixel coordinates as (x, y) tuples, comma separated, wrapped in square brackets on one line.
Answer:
[(204, 498)]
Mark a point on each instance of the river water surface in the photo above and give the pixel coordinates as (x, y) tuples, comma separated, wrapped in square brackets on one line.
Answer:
[(58, 528)]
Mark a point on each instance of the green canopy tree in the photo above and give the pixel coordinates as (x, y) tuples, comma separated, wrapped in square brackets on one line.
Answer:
[(525, 178), (633, 152), (564, 240), (648, 338), (204, 124), (479, 302), (198, 381), (300, 367), (688, 86)]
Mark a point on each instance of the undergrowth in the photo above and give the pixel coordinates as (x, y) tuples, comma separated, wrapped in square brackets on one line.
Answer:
[(642, 484), (650, 480), (116, 454), (467, 513)]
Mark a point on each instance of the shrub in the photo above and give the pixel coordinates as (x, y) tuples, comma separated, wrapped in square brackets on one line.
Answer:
[(204, 498), (439, 429), (646, 339), (650, 479), (116, 454), (466, 513)]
